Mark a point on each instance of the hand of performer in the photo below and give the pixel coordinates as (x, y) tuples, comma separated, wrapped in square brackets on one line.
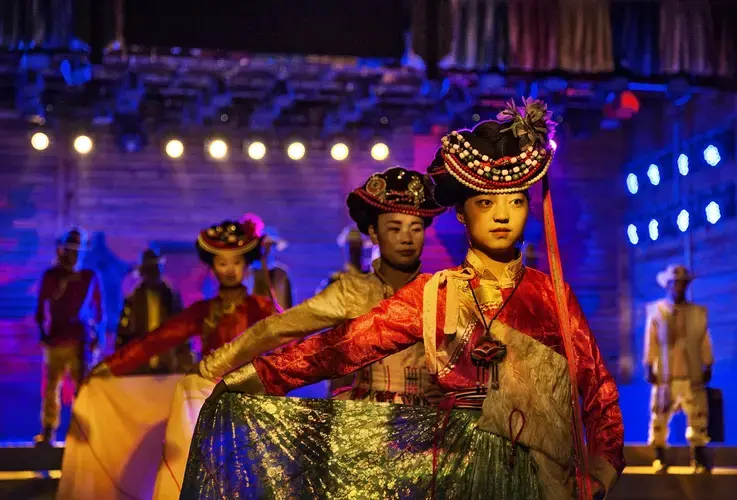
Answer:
[(266, 246), (598, 491), (220, 389), (651, 378), (100, 370)]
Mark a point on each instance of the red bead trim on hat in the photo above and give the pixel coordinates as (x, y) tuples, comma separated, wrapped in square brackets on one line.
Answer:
[(397, 208)]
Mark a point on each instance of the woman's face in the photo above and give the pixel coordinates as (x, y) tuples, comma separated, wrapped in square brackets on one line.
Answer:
[(495, 222), (229, 269)]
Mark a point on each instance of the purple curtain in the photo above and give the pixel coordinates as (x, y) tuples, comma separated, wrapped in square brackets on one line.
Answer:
[(584, 36), (635, 36), (533, 35), (687, 37)]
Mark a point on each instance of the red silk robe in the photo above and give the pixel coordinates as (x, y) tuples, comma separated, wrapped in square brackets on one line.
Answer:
[(528, 323), (209, 318)]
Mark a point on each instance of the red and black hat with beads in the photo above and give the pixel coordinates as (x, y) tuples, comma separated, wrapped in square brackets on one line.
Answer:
[(496, 157), (229, 238), (396, 190)]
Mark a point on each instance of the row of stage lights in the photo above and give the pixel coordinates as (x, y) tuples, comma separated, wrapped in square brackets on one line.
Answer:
[(713, 214), (711, 157), (218, 149)]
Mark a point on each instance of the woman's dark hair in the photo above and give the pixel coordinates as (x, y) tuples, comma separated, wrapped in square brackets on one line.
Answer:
[(487, 137)]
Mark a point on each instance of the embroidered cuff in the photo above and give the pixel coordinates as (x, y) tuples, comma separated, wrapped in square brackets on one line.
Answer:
[(244, 379), (603, 472)]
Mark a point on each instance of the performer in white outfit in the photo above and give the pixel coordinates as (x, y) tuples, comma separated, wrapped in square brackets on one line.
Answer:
[(678, 359)]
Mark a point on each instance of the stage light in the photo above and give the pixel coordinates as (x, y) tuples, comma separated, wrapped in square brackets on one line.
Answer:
[(218, 149), (653, 173), (683, 164), (40, 141), (713, 213), (553, 144), (632, 234), (296, 151), (652, 228), (712, 156), (380, 151), (683, 220), (82, 144), (256, 150), (339, 152), (633, 185), (174, 148)]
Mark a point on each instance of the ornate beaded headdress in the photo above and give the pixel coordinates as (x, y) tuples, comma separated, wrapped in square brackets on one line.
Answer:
[(229, 238), (531, 125), (399, 191)]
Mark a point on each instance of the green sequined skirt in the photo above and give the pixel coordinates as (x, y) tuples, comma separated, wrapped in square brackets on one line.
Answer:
[(271, 447)]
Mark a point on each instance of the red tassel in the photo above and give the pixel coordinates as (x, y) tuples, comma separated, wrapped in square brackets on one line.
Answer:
[(556, 273)]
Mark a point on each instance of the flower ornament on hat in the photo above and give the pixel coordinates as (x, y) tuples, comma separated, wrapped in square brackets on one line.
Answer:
[(673, 273), (396, 190), (270, 234), (229, 238)]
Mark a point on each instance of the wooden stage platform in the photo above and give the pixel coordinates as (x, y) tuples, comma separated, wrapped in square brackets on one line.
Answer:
[(29, 473)]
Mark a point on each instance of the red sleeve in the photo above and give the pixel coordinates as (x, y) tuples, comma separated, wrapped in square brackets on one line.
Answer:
[(392, 326), (172, 333), (44, 294), (602, 416)]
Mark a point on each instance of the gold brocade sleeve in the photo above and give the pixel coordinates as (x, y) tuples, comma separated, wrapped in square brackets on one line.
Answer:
[(324, 310), (245, 380)]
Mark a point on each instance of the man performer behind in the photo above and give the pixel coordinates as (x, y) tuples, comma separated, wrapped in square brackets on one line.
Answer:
[(678, 360), (354, 244), (149, 306), (68, 313)]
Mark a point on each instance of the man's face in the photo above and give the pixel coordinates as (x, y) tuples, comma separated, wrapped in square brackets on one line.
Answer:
[(677, 290), (68, 257), (229, 269), (495, 222), (400, 238)]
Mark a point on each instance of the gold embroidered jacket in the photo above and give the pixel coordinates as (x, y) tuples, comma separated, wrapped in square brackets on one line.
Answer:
[(401, 377)]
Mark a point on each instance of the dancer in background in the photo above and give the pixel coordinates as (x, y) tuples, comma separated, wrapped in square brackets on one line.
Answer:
[(678, 361), (393, 208), (69, 314), (150, 305), (508, 345), (227, 248)]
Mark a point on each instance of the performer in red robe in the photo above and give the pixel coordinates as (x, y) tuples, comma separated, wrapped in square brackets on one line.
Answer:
[(68, 314), (227, 248), (508, 345)]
